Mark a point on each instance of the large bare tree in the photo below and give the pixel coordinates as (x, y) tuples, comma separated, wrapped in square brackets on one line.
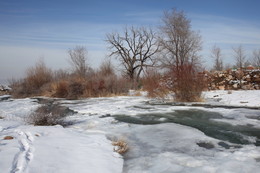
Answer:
[(240, 57), (135, 48), (217, 56), (181, 46), (78, 58), (180, 42), (256, 58)]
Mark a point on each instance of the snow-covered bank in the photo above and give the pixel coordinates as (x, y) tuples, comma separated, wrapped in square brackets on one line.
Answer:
[(242, 98), (55, 149), (163, 146), (170, 147), (51, 148)]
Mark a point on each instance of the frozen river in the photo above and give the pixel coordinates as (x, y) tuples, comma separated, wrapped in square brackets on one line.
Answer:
[(162, 138), (166, 138)]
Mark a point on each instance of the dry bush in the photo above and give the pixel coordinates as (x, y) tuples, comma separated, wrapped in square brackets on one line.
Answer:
[(76, 88), (48, 115), (121, 146), (61, 89), (8, 137), (188, 85), (61, 75), (40, 80), (106, 68), (113, 85), (155, 84), (38, 76), (33, 84), (105, 82), (110, 83)]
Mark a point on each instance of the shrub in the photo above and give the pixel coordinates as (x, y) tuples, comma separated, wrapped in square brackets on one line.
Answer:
[(121, 146), (188, 85), (61, 89), (76, 88), (106, 68), (155, 84), (40, 80), (38, 76), (48, 115), (36, 79)]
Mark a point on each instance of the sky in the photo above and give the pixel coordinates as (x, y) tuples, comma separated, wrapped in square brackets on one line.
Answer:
[(35, 29)]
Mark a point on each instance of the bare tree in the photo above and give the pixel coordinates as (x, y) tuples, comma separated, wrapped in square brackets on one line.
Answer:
[(78, 58), (135, 48), (217, 56), (181, 46), (180, 43), (240, 57), (256, 58)]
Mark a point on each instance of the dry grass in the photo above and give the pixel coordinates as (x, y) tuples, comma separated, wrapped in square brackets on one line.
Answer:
[(41, 81), (34, 83), (8, 138), (60, 89), (121, 146), (155, 84)]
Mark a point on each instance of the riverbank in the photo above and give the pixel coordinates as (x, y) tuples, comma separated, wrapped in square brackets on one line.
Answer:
[(160, 137)]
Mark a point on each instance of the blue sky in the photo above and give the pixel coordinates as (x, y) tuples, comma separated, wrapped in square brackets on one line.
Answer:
[(34, 29)]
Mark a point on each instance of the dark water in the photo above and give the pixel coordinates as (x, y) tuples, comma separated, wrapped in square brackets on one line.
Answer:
[(201, 120)]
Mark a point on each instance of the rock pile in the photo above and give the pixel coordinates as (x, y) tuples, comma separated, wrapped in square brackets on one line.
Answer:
[(233, 80)]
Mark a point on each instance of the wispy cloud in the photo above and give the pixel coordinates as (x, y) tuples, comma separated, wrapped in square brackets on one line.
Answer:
[(217, 29), (52, 39), (58, 35), (226, 33)]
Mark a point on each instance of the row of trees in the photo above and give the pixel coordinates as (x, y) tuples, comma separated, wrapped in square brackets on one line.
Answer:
[(239, 56), (81, 82), (173, 49), (175, 46), (172, 46)]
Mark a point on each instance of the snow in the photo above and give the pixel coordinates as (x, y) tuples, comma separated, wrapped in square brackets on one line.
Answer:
[(51, 149), (181, 153), (17, 109), (86, 145), (2, 97), (249, 98), (55, 149), (241, 117)]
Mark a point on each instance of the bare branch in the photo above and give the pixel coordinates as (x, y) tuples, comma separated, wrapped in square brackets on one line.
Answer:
[(78, 57), (135, 48), (180, 43), (256, 58), (217, 56), (239, 55)]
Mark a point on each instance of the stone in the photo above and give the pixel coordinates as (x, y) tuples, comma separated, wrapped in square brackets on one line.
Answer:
[(235, 86)]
